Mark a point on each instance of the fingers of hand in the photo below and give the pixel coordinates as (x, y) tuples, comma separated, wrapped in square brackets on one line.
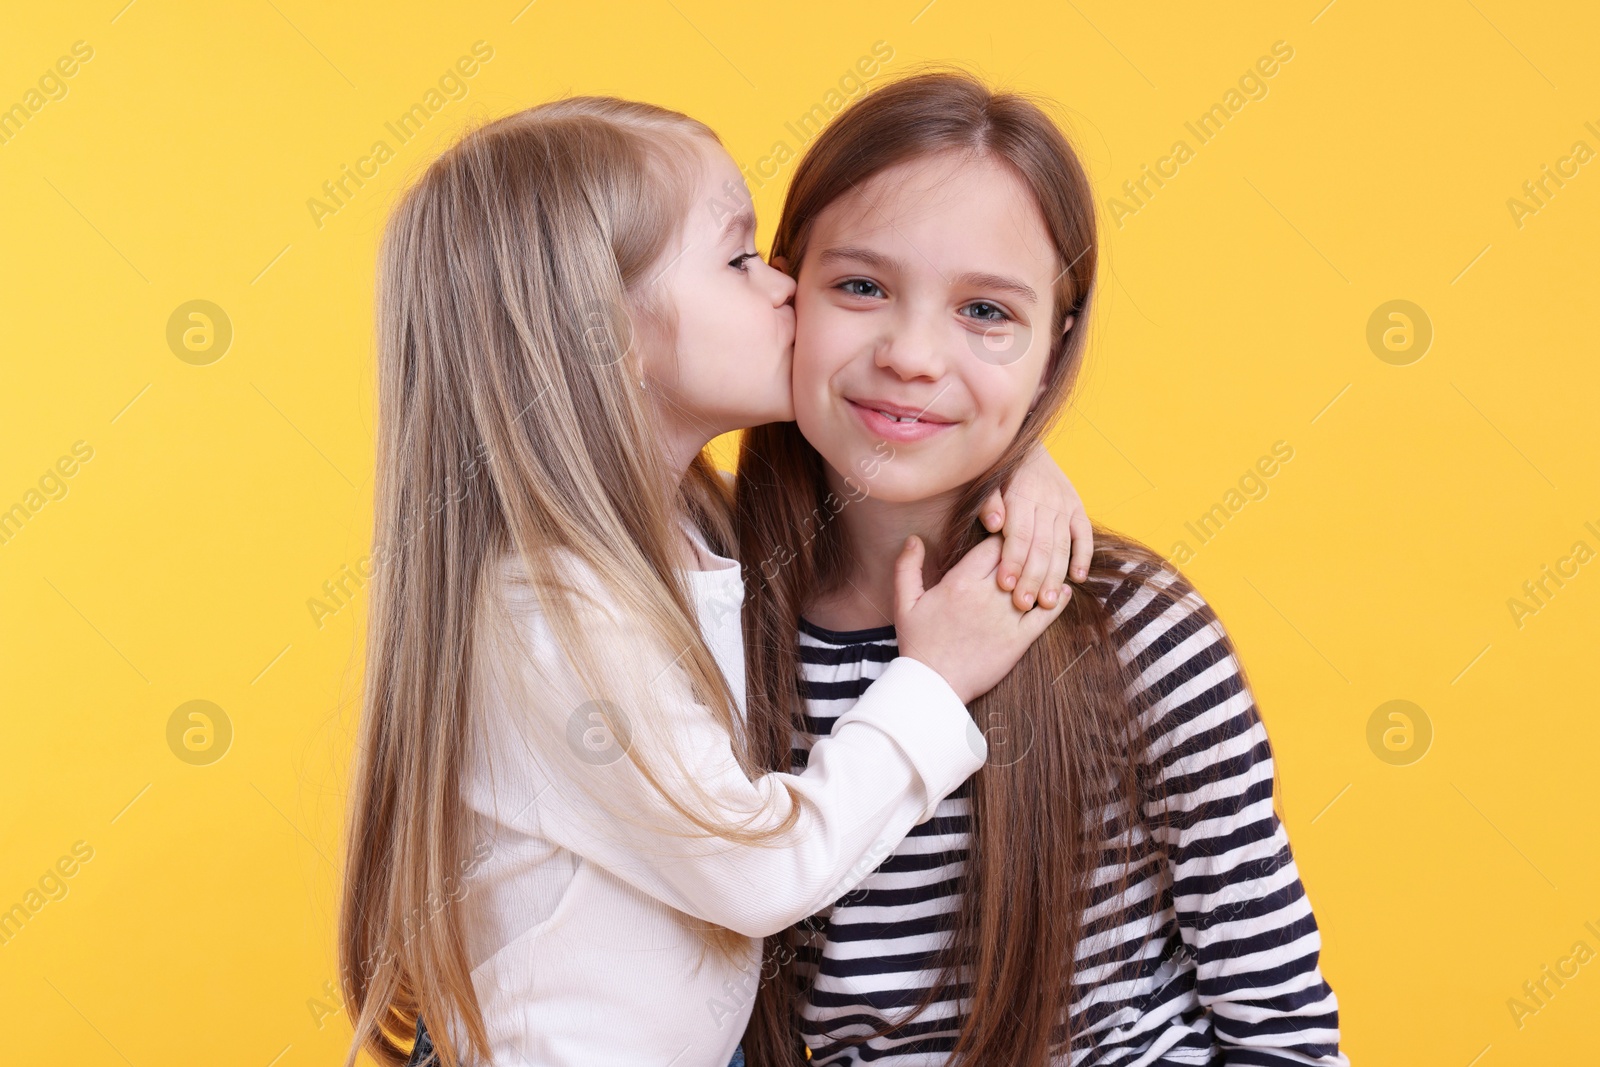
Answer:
[(1082, 544), (1033, 623), (1056, 589), (908, 575), (994, 512), (1020, 524), (1035, 572), (980, 561)]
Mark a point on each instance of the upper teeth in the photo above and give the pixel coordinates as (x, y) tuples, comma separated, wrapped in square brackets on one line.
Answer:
[(898, 418)]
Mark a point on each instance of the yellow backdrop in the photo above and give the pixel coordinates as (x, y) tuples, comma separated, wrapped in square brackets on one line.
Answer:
[(1343, 372)]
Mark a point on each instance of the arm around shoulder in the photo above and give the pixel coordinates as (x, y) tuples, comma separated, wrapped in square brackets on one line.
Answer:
[(642, 780)]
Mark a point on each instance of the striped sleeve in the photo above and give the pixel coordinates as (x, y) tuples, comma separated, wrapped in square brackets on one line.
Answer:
[(1242, 912)]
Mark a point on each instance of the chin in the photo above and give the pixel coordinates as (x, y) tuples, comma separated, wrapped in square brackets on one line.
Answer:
[(897, 489)]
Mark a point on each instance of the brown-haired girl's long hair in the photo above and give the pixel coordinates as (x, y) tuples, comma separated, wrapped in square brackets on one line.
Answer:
[(510, 420), (1041, 823)]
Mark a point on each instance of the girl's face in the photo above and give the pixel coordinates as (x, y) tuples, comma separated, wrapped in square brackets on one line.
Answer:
[(730, 365), (924, 309)]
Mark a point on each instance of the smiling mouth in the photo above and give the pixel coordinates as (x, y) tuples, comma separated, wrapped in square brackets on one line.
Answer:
[(896, 423), (895, 413)]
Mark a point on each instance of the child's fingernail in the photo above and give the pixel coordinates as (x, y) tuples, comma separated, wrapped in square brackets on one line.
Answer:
[(1048, 598), (994, 518), (1009, 582), (1027, 599)]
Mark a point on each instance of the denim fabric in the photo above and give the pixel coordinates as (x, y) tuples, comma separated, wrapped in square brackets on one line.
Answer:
[(423, 1052)]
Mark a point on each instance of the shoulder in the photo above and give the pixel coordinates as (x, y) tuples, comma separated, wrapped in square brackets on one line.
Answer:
[(529, 608), (1187, 677), (548, 647), (1157, 616)]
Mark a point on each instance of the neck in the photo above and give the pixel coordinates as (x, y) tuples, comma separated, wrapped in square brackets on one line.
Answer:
[(681, 444), (874, 532)]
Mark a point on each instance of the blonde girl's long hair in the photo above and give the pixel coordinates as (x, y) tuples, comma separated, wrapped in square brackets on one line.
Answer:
[(1045, 819), (511, 278)]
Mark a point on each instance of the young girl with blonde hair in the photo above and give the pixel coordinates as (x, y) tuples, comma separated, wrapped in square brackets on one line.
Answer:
[(560, 849)]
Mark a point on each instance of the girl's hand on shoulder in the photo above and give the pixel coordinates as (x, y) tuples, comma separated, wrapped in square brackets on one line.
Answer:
[(965, 627), (1047, 533)]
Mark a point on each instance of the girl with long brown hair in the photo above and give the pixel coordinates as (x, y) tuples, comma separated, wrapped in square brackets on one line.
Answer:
[(560, 849), (1113, 886)]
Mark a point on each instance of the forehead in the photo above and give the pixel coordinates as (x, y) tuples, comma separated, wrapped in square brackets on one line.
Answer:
[(720, 202), (943, 210)]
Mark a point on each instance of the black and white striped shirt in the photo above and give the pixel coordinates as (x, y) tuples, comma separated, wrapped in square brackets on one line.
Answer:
[(1229, 974)]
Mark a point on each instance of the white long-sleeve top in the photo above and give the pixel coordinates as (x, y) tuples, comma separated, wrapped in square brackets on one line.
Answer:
[(581, 918)]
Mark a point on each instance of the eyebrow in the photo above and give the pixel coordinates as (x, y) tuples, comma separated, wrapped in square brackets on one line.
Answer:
[(984, 280), (889, 265), (875, 260), (741, 222)]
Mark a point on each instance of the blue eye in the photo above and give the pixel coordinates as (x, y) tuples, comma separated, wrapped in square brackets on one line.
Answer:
[(994, 312), (738, 262), (866, 288)]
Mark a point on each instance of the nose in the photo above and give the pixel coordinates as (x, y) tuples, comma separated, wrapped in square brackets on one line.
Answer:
[(912, 348), (783, 287), (779, 285)]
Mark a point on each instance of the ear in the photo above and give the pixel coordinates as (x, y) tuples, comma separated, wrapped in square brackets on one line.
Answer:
[(780, 263), (1065, 326)]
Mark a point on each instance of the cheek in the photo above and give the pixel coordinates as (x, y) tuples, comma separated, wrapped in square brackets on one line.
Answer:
[(809, 381), (1001, 402), (722, 333), (816, 349), (685, 325), (1009, 395)]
